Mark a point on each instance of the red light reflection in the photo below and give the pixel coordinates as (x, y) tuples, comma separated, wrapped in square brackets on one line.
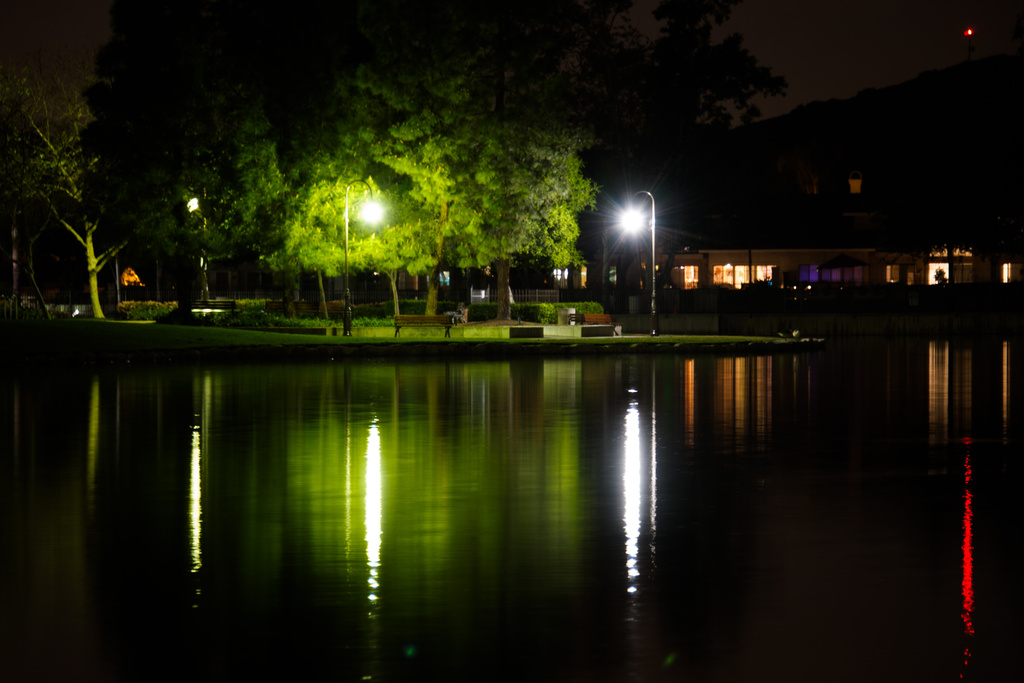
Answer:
[(968, 551)]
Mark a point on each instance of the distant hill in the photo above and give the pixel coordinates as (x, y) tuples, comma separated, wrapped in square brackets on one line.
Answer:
[(937, 152)]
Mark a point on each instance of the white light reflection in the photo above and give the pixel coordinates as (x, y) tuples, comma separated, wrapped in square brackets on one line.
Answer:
[(631, 488), (373, 509), (195, 507)]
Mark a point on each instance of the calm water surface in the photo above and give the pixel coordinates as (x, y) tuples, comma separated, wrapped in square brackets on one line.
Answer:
[(841, 515)]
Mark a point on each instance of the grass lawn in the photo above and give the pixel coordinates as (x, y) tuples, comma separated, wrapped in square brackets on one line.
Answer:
[(22, 340)]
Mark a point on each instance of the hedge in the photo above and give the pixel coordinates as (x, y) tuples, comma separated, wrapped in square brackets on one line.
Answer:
[(546, 314)]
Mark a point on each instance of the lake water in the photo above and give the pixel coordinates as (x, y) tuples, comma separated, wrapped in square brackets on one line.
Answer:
[(847, 514)]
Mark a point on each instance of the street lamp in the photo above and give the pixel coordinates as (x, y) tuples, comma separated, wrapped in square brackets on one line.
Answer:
[(371, 213), (633, 220)]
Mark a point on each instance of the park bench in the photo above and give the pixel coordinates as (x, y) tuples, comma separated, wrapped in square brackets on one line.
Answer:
[(601, 319), (214, 305), (424, 321)]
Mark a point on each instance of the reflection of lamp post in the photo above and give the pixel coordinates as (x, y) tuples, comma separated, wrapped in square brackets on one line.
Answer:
[(193, 206), (371, 213), (632, 220)]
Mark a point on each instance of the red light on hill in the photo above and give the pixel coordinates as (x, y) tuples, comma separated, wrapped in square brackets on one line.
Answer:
[(969, 32)]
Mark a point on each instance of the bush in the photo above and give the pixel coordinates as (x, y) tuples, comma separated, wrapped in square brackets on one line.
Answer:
[(145, 310), (543, 313), (372, 322), (407, 307)]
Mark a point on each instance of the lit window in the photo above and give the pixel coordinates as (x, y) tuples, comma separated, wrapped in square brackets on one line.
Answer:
[(764, 273), (583, 277), (892, 273), (690, 277), (742, 276), (808, 272), (938, 273), (685, 277)]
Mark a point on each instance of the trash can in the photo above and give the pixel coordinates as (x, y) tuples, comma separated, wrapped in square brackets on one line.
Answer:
[(566, 316)]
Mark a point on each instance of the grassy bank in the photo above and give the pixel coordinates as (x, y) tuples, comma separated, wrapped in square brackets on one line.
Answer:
[(57, 341)]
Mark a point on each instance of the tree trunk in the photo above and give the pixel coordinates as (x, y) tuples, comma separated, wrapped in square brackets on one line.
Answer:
[(290, 281), (93, 271), (204, 280), (15, 277), (504, 311), (323, 298), (39, 293), (184, 274), (433, 284), (434, 279), (394, 287)]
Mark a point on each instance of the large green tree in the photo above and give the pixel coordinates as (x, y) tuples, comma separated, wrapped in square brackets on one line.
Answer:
[(300, 148), (473, 113), (61, 172)]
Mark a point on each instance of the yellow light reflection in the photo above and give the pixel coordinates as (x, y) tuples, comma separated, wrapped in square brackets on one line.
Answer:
[(689, 380), (631, 489), (938, 392), (1006, 389), (93, 443), (195, 502), (373, 509)]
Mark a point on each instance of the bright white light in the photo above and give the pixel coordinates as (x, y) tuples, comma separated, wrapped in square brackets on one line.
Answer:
[(372, 212), (631, 489), (195, 526), (193, 204), (373, 509), (632, 220)]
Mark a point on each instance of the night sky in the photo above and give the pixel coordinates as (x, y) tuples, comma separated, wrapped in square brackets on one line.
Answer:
[(825, 48)]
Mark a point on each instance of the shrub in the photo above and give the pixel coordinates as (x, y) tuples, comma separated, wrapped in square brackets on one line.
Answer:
[(145, 310), (544, 313), (407, 307), (372, 322)]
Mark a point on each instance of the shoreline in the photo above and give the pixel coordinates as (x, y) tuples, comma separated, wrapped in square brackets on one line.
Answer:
[(32, 345)]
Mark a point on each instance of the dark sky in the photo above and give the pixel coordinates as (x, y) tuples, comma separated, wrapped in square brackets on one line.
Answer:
[(825, 48)]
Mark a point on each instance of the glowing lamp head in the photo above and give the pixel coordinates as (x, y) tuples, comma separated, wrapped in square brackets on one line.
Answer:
[(372, 212), (193, 204), (969, 32), (632, 220)]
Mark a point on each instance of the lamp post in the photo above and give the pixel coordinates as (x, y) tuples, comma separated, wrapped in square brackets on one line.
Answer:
[(371, 213), (632, 221)]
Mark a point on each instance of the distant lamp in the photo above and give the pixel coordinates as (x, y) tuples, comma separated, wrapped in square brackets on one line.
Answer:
[(193, 204), (633, 220), (969, 34)]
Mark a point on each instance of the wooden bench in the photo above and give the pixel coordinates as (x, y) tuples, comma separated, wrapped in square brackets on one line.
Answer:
[(424, 321), (214, 305), (600, 319)]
